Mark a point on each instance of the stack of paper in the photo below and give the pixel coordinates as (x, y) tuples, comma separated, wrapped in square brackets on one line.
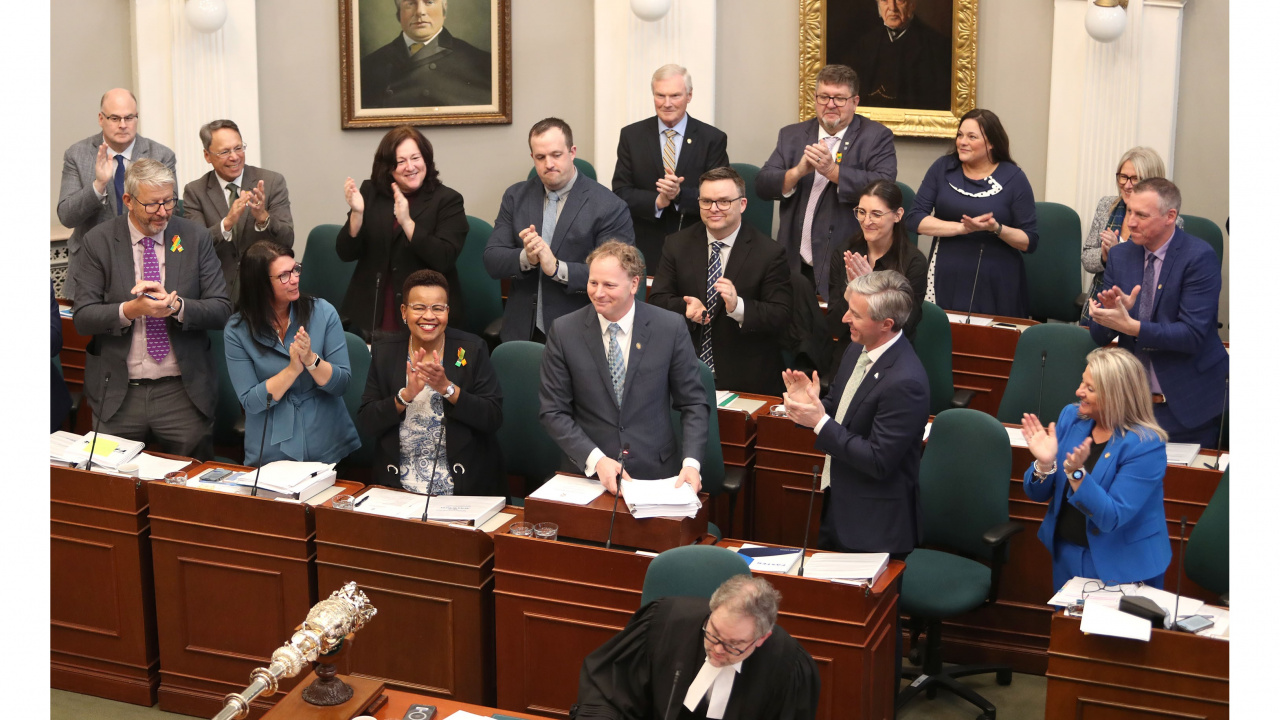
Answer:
[(569, 489), (1181, 453), (1100, 618), (965, 319), (151, 467), (861, 567), (466, 510), (771, 559), (660, 498), (110, 451), (1015, 437), (58, 444), (292, 479)]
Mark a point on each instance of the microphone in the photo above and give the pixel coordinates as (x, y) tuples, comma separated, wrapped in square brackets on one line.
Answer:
[(1222, 423), (808, 519), (622, 461), (377, 306), (675, 683), (97, 421), (431, 481), (1044, 355), (974, 293), (262, 446)]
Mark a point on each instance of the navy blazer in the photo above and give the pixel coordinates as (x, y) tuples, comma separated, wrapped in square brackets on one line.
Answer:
[(1182, 335), (1122, 499), (875, 452), (579, 410), (590, 216), (866, 153)]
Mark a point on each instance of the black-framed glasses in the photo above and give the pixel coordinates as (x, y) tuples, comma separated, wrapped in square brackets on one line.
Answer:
[(732, 650), (238, 150), (837, 100), (706, 203), (153, 208), (876, 215), (1122, 179), (420, 309), (118, 119), (285, 276)]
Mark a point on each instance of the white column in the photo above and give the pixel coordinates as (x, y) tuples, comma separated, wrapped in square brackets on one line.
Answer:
[(184, 78), (627, 52)]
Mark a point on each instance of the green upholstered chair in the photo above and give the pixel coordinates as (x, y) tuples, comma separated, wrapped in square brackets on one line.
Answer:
[(933, 347), (1047, 366), (717, 477), (359, 356), (325, 275), (1053, 270), (526, 448), (909, 199), (643, 291), (966, 532), (759, 212), (1208, 558), (228, 414), (578, 162), (690, 571), (480, 294), (1207, 230)]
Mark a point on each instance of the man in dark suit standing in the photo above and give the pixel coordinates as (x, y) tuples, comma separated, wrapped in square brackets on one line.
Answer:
[(732, 284), (903, 63), (655, 156), (818, 170), (93, 170), (546, 226), (611, 375), (150, 286), (1161, 299), (221, 198), (425, 66)]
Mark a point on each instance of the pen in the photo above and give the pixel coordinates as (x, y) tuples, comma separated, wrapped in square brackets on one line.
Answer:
[(362, 499), (149, 296)]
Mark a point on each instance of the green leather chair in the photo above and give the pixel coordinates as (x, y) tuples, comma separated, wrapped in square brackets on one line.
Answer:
[(358, 353), (582, 165), (717, 478), (228, 414), (526, 448), (759, 212), (908, 200), (325, 275), (933, 347), (1208, 559), (1047, 366), (480, 294), (966, 533), (1053, 270), (690, 571), (1207, 230), (77, 397)]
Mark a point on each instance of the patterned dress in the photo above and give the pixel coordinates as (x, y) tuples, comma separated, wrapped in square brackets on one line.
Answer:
[(424, 457)]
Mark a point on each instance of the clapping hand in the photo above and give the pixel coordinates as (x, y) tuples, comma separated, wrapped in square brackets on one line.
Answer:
[(855, 265), (415, 379), (728, 293), (695, 310), (801, 398), (302, 341), (985, 221), (354, 198), (434, 372), (1042, 443), (668, 189), (1109, 240), (1111, 310), (103, 169), (1075, 461), (258, 203)]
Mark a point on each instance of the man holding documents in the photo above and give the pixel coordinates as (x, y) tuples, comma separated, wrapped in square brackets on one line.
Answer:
[(676, 660), (612, 373)]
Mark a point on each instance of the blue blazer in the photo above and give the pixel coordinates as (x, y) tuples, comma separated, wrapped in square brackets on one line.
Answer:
[(590, 216), (1122, 500), (1182, 336), (310, 422)]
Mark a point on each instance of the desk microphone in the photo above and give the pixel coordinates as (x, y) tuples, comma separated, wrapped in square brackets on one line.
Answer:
[(1194, 623), (622, 468), (431, 480), (97, 421), (675, 683), (974, 293), (1222, 422), (1044, 356), (262, 446), (808, 519)]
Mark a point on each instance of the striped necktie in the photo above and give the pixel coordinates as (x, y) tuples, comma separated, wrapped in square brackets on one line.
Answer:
[(669, 152)]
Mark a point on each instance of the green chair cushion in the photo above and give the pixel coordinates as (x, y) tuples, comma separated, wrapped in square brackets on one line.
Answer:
[(690, 571), (940, 585)]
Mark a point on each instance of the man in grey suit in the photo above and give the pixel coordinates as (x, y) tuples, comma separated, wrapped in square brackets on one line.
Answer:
[(546, 226), (221, 198), (93, 170), (611, 375), (818, 170), (149, 287)]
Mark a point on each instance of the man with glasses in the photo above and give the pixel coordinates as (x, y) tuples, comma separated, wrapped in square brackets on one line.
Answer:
[(674, 660), (818, 170), (241, 204), (732, 284), (149, 287), (93, 170)]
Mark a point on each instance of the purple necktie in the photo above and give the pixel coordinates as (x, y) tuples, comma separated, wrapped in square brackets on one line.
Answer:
[(157, 333)]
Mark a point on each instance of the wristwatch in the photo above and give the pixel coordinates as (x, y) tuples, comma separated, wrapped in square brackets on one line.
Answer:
[(449, 391), (315, 364), (1078, 474)]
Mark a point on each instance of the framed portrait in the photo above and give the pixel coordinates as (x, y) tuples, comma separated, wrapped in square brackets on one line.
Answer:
[(425, 62), (917, 60)]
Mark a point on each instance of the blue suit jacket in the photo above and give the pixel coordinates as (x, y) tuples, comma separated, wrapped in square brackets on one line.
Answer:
[(579, 410), (1122, 499), (875, 452), (1182, 336), (591, 215)]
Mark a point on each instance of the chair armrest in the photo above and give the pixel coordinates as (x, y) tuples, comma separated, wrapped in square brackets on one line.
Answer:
[(733, 477), (997, 538), (492, 333), (962, 398), (1081, 299), (1000, 534)]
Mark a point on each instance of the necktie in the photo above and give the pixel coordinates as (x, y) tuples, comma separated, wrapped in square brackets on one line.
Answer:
[(714, 271), (157, 333), (548, 230), (233, 192), (669, 152), (1147, 304), (820, 183), (851, 387), (415, 47), (119, 184), (616, 371)]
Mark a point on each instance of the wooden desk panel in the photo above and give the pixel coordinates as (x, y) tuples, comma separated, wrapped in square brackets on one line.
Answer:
[(738, 443), (981, 359), (785, 458)]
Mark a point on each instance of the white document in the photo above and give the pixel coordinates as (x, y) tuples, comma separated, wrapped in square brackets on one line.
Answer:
[(863, 567), (289, 476), (151, 467), (110, 452), (961, 319), (660, 498), (928, 427), (1167, 600), (1205, 461), (770, 559), (1102, 619), (464, 715), (1181, 453), (469, 510), (59, 443), (569, 489), (391, 503), (1015, 437), (746, 405), (724, 397), (495, 522)]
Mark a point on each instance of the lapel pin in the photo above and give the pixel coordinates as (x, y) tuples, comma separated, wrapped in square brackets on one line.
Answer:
[(462, 358), (839, 156), (1107, 455), (637, 346), (177, 244), (1160, 286), (876, 376), (688, 141)]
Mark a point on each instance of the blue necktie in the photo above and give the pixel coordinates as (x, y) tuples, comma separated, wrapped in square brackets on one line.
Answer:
[(616, 371), (714, 272), (119, 183), (548, 230)]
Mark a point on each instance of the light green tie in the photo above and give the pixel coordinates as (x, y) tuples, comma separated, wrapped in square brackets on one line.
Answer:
[(851, 387)]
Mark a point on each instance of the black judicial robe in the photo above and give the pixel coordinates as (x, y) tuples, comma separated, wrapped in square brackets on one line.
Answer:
[(631, 676)]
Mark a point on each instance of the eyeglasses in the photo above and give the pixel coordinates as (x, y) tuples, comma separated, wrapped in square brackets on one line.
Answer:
[(284, 277), (837, 100), (153, 208), (735, 651), (238, 150), (706, 203), (876, 215), (117, 119), (1122, 179), (419, 309)]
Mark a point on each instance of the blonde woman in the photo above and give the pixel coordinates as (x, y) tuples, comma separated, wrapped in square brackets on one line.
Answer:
[(1101, 469)]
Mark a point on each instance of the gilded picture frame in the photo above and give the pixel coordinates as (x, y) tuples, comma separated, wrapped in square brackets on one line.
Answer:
[(416, 62), (854, 21)]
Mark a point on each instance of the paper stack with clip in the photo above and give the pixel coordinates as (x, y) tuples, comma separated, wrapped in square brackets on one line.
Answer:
[(660, 498)]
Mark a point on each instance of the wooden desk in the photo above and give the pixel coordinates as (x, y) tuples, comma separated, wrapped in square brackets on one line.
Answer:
[(234, 576), (1176, 675), (398, 702), (102, 621), (785, 459), (738, 444), (982, 357)]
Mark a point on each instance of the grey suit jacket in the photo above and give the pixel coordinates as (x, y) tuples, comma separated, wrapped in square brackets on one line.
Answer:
[(204, 202), (591, 215), (106, 272), (78, 205), (579, 410)]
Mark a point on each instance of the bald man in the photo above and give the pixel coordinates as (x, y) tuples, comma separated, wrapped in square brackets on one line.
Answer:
[(93, 170)]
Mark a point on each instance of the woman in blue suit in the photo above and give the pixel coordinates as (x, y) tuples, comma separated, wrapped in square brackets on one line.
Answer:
[(1101, 469)]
